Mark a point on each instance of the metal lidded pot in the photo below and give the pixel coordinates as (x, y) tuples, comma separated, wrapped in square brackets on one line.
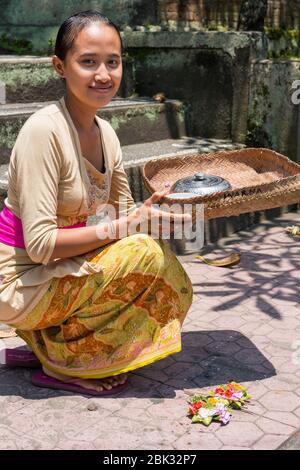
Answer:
[(200, 184)]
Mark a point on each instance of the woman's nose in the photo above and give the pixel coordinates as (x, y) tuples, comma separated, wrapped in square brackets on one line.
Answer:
[(102, 74)]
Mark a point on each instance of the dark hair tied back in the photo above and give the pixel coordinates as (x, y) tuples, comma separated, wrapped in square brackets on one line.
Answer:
[(72, 26)]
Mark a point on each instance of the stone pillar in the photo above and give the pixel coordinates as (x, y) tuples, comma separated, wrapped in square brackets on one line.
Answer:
[(2, 93)]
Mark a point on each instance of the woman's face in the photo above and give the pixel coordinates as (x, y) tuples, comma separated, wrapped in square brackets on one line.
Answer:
[(93, 67)]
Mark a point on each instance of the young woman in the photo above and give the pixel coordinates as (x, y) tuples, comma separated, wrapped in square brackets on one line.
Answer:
[(90, 302)]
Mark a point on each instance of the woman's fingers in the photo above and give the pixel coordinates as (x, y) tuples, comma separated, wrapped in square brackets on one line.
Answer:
[(153, 212), (149, 214), (156, 196), (174, 216)]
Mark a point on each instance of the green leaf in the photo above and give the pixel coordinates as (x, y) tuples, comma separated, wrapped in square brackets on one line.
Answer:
[(198, 398), (207, 420), (236, 405), (196, 419)]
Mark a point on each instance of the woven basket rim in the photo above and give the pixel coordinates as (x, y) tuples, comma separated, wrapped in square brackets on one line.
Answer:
[(291, 182), (175, 156)]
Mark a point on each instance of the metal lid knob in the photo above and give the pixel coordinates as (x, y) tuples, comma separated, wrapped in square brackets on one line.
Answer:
[(200, 176)]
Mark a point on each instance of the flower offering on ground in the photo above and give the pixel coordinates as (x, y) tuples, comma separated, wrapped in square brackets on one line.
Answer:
[(218, 404)]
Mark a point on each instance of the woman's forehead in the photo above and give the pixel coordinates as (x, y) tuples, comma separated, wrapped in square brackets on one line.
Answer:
[(95, 36)]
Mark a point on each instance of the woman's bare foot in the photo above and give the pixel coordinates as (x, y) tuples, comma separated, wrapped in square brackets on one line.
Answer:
[(97, 385)]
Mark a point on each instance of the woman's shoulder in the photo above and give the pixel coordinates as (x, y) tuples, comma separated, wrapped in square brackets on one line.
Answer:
[(46, 121), (42, 127)]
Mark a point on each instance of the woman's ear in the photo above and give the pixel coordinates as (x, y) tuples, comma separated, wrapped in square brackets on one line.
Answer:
[(58, 65)]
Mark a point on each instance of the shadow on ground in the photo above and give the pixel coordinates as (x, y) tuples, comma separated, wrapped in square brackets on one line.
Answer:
[(207, 358), (265, 274)]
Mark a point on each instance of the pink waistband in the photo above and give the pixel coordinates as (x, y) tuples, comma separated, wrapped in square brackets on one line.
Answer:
[(11, 230)]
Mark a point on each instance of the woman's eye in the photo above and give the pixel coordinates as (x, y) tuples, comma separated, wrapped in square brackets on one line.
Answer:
[(113, 63)]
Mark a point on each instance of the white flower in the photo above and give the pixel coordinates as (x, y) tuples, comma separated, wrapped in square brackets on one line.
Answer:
[(205, 413)]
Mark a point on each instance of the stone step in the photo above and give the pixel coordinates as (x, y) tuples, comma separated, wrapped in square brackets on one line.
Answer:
[(134, 120), (27, 79)]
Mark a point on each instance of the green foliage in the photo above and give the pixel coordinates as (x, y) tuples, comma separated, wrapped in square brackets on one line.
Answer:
[(274, 33), (126, 57), (283, 54), (284, 43), (252, 15), (256, 134), (11, 45), (22, 46), (51, 44)]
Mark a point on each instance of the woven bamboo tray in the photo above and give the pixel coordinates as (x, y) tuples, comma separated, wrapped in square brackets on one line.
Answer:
[(260, 179)]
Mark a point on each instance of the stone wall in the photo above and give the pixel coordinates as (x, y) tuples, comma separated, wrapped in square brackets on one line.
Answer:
[(208, 71), (213, 13), (228, 86), (54, 12), (272, 115), (38, 20)]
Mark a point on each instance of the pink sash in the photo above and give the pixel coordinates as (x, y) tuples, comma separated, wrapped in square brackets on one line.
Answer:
[(11, 230)]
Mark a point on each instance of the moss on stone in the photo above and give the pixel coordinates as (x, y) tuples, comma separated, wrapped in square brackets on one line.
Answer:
[(15, 75), (12, 45), (8, 133), (286, 54), (263, 90), (149, 113), (283, 43), (141, 54), (274, 33), (295, 34), (181, 114), (256, 134)]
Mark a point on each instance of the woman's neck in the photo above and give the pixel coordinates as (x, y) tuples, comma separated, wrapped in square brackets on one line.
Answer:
[(82, 117)]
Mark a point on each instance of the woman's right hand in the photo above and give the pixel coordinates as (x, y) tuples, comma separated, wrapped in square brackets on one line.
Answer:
[(154, 221)]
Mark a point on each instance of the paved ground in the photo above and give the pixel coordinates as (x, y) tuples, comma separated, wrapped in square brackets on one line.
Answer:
[(244, 325)]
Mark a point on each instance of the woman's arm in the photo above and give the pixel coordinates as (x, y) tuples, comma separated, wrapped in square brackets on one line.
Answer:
[(77, 241)]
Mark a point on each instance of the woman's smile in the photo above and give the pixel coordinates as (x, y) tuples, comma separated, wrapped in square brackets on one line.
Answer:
[(102, 89)]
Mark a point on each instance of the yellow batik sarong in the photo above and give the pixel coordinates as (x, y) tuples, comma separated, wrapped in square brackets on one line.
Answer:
[(127, 315)]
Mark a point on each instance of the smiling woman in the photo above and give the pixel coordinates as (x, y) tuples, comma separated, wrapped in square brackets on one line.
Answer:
[(92, 302)]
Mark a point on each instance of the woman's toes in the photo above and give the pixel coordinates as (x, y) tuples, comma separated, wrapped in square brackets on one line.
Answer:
[(122, 378), (106, 385), (116, 380), (110, 380)]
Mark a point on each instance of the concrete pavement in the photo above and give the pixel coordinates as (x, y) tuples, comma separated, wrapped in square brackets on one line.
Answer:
[(244, 325)]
